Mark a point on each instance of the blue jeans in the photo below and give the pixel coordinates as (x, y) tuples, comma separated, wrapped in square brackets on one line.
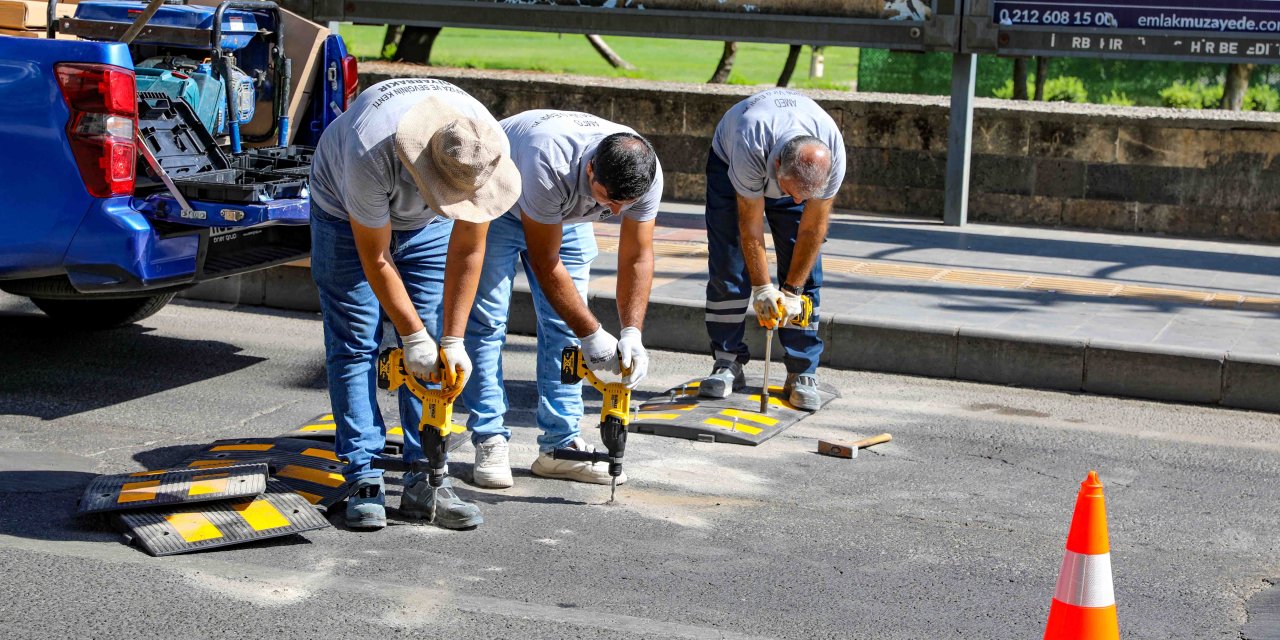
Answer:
[(559, 405), (353, 331), (729, 287)]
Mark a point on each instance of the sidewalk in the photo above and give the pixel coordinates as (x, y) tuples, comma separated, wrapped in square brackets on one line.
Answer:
[(1139, 316)]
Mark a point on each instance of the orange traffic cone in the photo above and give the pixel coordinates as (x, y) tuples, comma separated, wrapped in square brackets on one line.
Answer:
[(1084, 604)]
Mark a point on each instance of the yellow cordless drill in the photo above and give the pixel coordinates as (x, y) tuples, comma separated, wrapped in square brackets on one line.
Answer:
[(615, 415), (770, 323), (437, 412)]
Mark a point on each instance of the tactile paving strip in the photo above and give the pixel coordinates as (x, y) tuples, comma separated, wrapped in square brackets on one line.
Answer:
[(309, 467), (277, 512), (681, 413), (172, 486), (998, 279)]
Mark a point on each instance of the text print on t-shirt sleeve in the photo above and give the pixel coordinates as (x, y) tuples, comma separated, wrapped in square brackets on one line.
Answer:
[(401, 87)]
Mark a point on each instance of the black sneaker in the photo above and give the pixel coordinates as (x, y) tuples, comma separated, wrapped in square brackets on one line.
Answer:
[(726, 377)]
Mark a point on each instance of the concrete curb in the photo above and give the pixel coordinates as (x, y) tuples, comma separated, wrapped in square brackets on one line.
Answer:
[(1154, 372)]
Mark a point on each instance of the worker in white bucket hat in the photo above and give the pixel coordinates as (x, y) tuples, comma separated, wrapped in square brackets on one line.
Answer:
[(403, 187)]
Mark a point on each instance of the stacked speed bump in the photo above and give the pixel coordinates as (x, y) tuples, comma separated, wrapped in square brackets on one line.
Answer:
[(276, 512), (1084, 603), (309, 467)]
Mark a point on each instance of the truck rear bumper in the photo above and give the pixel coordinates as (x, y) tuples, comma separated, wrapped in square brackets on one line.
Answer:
[(120, 248)]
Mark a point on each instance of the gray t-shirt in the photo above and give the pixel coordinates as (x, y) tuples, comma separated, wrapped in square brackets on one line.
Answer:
[(356, 174), (552, 150), (751, 135)]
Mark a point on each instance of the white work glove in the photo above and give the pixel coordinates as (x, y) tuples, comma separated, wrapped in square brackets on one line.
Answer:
[(457, 364), (420, 354), (632, 355), (793, 304), (600, 350), (766, 299)]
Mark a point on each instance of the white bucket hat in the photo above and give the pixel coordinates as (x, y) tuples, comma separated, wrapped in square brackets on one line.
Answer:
[(457, 162)]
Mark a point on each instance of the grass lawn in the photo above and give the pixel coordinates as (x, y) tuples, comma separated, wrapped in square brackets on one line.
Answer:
[(655, 59)]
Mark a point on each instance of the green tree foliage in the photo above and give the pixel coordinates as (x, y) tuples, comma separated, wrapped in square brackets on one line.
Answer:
[(1055, 90), (1181, 95)]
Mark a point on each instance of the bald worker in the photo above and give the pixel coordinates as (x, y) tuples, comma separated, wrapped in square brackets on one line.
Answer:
[(776, 157)]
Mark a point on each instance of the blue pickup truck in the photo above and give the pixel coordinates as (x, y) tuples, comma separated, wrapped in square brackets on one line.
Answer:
[(128, 171)]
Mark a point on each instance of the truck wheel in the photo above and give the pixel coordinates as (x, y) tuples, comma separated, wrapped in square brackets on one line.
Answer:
[(102, 314)]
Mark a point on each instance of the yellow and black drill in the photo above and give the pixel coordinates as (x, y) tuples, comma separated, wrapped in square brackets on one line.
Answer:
[(615, 415), (437, 419)]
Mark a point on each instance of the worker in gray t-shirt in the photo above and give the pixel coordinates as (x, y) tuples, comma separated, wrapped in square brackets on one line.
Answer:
[(576, 169), (776, 156), (403, 187)]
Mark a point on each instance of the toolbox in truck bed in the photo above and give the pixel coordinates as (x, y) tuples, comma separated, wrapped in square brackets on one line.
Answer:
[(199, 168), (241, 185)]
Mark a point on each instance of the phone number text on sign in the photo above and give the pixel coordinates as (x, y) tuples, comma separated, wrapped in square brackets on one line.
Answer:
[(1059, 18), (1223, 16)]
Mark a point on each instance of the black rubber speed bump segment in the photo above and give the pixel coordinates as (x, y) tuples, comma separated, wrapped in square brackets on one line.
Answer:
[(277, 512), (309, 467), (681, 413), (323, 428), (130, 491)]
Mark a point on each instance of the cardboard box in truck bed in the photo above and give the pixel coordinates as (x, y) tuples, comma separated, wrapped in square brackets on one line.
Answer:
[(21, 15)]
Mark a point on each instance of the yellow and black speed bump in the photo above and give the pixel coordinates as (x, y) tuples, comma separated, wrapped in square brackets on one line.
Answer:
[(309, 467), (681, 413), (324, 428), (277, 512), (172, 486)]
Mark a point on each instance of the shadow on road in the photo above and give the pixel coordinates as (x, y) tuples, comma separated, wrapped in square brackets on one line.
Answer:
[(49, 372), (40, 504)]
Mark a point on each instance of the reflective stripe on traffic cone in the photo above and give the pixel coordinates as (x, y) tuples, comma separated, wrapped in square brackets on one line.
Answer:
[(1084, 604)]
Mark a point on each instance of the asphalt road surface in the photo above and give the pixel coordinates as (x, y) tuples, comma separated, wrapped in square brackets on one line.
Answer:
[(955, 529)]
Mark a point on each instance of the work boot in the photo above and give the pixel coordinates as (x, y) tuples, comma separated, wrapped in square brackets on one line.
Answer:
[(801, 390), (366, 507), (547, 466), (451, 512), (493, 464), (726, 377)]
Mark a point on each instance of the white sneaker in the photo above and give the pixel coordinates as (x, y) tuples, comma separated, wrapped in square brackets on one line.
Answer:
[(493, 464), (598, 473)]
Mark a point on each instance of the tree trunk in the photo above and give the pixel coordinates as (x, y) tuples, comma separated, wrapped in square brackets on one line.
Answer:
[(416, 43), (789, 68), (1019, 78), (817, 62), (391, 41), (608, 54), (1042, 74), (1237, 85), (725, 66)]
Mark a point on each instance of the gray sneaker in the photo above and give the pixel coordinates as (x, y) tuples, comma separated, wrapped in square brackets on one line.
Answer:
[(451, 512), (366, 507), (801, 390), (726, 377)]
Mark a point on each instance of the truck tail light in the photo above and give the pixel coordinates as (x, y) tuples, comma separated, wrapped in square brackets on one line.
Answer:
[(350, 81), (104, 114)]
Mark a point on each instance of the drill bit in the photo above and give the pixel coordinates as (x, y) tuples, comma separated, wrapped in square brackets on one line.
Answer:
[(613, 489)]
